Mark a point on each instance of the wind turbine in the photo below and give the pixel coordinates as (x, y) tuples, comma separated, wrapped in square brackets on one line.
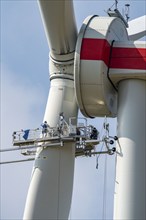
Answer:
[(94, 81)]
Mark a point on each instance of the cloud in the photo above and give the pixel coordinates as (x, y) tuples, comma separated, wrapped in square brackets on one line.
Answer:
[(22, 106), (20, 99)]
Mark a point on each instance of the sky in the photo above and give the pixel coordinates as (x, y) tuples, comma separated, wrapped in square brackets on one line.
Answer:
[(24, 90)]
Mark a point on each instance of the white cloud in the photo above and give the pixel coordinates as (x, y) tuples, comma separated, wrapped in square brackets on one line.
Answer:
[(22, 106)]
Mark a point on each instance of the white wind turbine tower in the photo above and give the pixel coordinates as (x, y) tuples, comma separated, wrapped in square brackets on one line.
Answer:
[(101, 71)]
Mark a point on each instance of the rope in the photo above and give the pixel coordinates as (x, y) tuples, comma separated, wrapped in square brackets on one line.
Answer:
[(98, 155), (104, 190), (59, 168)]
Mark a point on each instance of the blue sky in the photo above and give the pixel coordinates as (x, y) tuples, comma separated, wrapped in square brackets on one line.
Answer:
[(24, 92)]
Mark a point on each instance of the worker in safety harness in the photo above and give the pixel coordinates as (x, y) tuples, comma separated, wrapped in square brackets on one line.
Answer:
[(62, 125), (94, 133), (45, 127)]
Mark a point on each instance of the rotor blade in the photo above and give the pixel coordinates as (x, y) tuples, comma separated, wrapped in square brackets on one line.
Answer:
[(50, 190), (137, 28), (60, 27)]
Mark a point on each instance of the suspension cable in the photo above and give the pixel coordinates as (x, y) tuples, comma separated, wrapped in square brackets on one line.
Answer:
[(104, 190), (98, 155)]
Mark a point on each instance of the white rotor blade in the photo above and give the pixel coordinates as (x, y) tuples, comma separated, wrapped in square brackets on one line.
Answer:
[(60, 26), (50, 191), (137, 28)]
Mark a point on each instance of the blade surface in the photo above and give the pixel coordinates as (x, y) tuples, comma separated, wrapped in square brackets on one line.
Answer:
[(60, 27), (50, 191), (137, 28)]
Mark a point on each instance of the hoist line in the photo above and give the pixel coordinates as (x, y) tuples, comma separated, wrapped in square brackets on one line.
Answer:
[(104, 190), (59, 176), (98, 155)]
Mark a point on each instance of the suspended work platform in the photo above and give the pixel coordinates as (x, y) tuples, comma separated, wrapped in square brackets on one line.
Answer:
[(85, 137)]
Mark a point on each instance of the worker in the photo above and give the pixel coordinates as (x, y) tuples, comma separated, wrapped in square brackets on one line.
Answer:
[(61, 119), (45, 127), (62, 125), (94, 133), (78, 132)]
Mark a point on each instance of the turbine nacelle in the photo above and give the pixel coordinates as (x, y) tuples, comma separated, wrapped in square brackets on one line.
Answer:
[(105, 56)]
